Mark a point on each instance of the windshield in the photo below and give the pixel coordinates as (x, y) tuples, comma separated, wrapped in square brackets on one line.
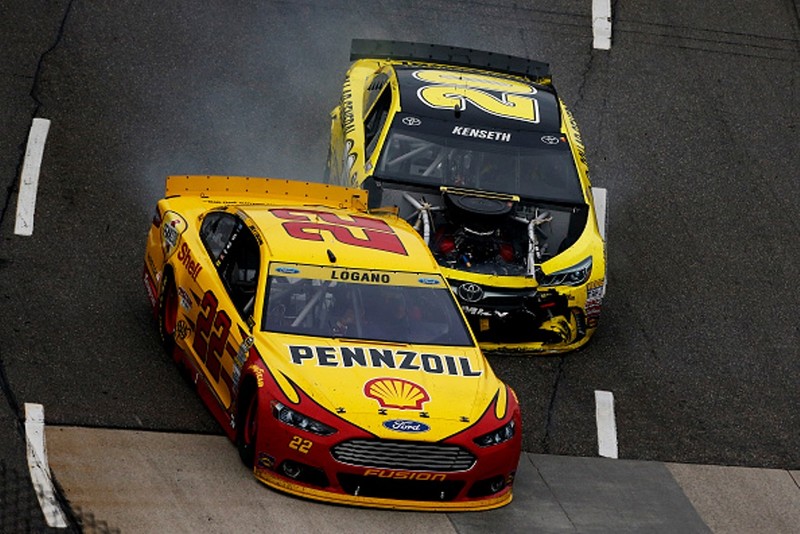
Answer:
[(362, 304), (529, 164)]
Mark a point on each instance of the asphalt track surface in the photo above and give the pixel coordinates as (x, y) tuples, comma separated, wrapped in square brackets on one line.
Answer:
[(690, 122)]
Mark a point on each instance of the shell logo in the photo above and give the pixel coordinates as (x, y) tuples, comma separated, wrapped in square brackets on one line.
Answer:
[(396, 393)]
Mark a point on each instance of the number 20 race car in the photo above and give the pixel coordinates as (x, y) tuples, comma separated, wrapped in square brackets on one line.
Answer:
[(477, 151), (327, 344)]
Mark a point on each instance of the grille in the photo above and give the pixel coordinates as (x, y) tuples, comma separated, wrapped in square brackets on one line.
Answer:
[(406, 455)]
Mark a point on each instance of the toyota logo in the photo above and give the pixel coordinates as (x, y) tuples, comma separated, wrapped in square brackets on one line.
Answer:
[(470, 292), (411, 121), (550, 139)]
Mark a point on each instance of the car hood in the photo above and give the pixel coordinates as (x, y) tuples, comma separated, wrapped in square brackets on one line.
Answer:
[(371, 384)]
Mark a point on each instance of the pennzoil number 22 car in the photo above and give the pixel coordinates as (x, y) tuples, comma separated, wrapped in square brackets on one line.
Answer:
[(328, 345), (477, 151)]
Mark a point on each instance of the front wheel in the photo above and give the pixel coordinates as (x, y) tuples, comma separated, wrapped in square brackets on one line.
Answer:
[(247, 428)]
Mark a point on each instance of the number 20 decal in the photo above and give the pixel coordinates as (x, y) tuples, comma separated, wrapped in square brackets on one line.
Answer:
[(310, 225), (454, 89)]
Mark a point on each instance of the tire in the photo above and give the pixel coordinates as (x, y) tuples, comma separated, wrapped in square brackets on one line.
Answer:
[(247, 427), (168, 313)]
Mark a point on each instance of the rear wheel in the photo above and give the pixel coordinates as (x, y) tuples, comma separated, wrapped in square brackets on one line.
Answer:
[(247, 425), (168, 313)]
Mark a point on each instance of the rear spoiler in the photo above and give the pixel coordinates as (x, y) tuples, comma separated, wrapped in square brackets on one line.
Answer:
[(266, 190), (451, 55)]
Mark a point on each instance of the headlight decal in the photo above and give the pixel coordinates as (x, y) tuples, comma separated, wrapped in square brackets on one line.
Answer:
[(291, 417), (498, 436), (571, 276)]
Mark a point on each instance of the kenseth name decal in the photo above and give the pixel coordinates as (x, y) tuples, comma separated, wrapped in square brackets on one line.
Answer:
[(382, 358), (478, 133)]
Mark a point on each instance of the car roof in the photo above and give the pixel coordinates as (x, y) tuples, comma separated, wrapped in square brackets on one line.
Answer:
[(321, 235), (409, 86)]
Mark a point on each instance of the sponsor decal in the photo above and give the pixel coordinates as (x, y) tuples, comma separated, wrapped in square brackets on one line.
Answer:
[(411, 121), (577, 139), (404, 475), (382, 358), (348, 120), (396, 393), (265, 461), (184, 299), (406, 425), (470, 292), (172, 226), (429, 281), (182, 329), (239, 359), (150, 292), (259, 372), (287, 270), (550, 139), (594, 302), (192, 266), (482, 312)]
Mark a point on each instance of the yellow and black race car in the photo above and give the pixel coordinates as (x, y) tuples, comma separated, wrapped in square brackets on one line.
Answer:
[(327, 344), (477, 151)]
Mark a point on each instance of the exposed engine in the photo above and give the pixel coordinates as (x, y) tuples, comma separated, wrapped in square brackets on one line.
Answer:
[(483, 232)]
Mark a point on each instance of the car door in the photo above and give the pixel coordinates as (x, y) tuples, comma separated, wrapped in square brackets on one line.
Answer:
[(224, 317)]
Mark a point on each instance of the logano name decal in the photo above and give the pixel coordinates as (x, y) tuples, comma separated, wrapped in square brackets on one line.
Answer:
[(383, 358), (357, 231)]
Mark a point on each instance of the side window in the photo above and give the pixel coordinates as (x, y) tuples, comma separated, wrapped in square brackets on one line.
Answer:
[(239, 270), (235, 253), (376, 118), (216, 232)]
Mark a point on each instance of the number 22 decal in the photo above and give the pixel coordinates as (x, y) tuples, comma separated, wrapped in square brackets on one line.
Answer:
[(299, 444), (311, 225), (211, 336)]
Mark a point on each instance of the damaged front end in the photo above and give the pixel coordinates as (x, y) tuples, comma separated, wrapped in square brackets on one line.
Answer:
[(492, 247)]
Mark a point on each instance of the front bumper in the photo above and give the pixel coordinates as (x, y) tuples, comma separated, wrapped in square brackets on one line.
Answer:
[(335, 472), (540, 320)]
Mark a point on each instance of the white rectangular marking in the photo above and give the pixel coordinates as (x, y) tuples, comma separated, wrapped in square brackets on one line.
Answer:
[(606, 424), (600, 196), (29, 179), (601, 24), (40, 468)]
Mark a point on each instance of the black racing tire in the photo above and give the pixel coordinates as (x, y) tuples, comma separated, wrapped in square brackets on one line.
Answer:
[(168, 313), (247, 426)]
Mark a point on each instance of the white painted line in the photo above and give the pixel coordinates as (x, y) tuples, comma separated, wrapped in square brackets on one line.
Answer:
[(600, 195), (601, 24), (29, 179), (606, 424), (39, 467)]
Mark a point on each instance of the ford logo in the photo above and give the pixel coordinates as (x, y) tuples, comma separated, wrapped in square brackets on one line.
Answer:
[(428, 281), (405, 425), (287, 270)]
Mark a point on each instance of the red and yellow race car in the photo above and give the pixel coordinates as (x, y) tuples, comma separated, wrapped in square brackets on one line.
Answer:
[(477, 151), (327, 344)]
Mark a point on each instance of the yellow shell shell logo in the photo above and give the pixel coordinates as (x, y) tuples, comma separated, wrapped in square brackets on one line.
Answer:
[(396, 393)]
